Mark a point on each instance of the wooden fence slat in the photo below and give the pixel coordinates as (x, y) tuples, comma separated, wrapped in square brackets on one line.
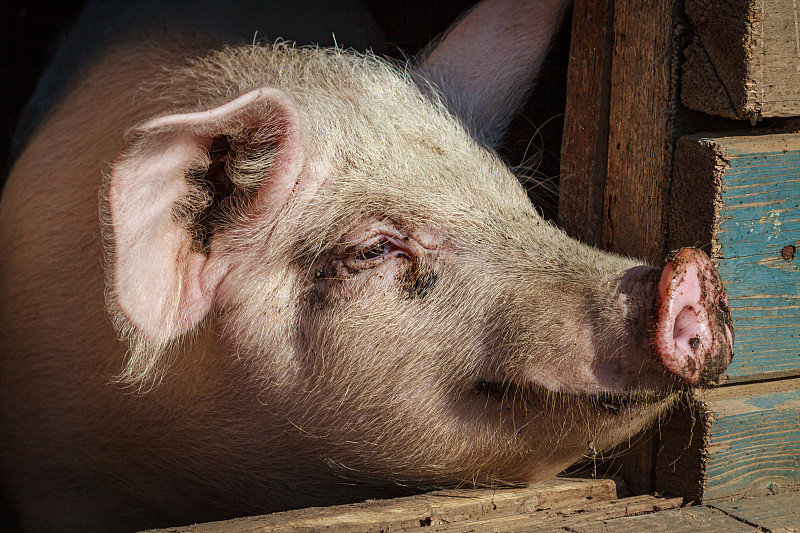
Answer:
[(617, 145), (778, 514), (563, 519), (434, 508), (639, 144)]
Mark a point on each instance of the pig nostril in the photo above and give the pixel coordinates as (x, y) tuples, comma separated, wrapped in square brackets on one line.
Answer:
[(694, 342), (685, 328)]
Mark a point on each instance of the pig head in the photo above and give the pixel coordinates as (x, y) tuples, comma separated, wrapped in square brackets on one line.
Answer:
[(311, 281)]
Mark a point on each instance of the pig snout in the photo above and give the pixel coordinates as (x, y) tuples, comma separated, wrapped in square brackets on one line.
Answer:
[(693, 335)]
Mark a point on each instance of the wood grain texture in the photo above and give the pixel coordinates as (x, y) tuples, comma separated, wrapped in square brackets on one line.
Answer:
[(563, 519), (701, 87), (617, 145), (776, 514), (779, 513), (682, 457), (689, 520), (755, 439), (584, 149), (744, 61), (434, 508), (738, 196), (639, 145)]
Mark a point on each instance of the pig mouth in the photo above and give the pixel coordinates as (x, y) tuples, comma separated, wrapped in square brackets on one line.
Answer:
[(531, 395)]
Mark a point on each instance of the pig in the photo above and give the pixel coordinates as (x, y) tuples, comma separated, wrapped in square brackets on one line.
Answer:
[(247, 278)]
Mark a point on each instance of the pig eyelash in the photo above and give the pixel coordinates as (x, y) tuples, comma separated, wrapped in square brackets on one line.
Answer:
[(373, 252)]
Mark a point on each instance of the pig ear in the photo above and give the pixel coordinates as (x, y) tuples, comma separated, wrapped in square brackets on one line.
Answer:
[(177, 184), (486, 63)]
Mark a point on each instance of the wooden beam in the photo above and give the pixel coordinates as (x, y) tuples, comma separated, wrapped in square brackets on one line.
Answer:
[(689, 520), (778, 513), (640, 130), (617, 143), (565, 519), (617, 146), (744, 61), (584, 148)]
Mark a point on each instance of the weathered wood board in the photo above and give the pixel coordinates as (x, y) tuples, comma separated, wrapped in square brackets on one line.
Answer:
[(777, 513), (754, 442), (734, 441), (559, 504), (639, 132), (689, 520), (562, 519), (744, 61), (738, 197), (431, 509), (617, 144)]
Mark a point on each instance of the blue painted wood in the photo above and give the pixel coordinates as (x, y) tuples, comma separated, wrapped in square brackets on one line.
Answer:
[(758, 215), (754, 441), (739, 195)]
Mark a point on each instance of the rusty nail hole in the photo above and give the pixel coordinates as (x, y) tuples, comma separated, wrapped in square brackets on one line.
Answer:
[(787, 252)]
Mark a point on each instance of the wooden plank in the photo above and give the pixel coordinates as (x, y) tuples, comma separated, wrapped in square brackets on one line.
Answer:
[(640, 144), (779, 513), (732, 441), (688, 520), (738, 196), (754, 442), (565, 518), (744, 61), (584, 149), (434, 508), (701, 87), (561, 518)]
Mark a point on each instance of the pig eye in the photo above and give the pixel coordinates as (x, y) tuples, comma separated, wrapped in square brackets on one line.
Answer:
[(373, 252)]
